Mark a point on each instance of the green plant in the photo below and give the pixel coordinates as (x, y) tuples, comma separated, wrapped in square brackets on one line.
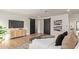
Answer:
[(2, 31)]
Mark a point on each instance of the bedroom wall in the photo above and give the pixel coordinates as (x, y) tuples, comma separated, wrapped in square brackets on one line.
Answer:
[(73, 19), (65, 24), (39, 25), (5, 16)]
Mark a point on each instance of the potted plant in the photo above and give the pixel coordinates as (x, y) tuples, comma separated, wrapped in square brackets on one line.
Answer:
[(2, 32)]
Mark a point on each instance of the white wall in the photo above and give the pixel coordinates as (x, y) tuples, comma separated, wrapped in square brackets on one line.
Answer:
[(65, 24), (73, 19), (39, 25), (5, 16)]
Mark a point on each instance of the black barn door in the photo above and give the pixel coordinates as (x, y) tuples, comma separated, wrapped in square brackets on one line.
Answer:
[(47, 26), (32, 26)]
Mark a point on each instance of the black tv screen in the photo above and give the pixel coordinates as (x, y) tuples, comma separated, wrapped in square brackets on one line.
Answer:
[(16, 24)]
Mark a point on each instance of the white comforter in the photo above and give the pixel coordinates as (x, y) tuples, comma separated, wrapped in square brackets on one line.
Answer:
[(48, 43)]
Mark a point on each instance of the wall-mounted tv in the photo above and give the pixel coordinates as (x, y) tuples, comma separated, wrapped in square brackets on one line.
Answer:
[(16, 24)]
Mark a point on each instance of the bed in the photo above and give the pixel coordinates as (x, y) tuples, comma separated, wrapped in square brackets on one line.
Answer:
[(48, 43)]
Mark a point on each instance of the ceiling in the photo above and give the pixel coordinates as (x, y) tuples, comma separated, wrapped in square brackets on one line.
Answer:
[(42, 12)]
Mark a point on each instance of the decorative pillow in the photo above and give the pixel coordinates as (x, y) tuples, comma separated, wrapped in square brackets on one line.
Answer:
[(77, 46), (60, 38), (69, 41)]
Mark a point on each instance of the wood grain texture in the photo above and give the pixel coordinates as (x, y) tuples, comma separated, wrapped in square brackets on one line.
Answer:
[(14, 43)]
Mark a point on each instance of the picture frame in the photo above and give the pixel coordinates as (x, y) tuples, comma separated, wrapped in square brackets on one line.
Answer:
[(58, 22), (58, 25)]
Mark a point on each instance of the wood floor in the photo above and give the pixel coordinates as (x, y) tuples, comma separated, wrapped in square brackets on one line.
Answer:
[(14, 43)]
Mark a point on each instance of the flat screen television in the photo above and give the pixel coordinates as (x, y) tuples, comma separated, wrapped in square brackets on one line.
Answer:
[(16, 24)]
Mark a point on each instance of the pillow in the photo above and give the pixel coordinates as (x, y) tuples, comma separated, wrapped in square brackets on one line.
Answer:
[(77, 46), (60, 38), (69, 41)]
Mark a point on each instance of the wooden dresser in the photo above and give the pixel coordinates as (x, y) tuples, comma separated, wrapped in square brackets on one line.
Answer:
[(17, 33)]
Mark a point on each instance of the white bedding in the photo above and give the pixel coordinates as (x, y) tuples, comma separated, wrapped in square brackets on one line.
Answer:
[(48, 43)]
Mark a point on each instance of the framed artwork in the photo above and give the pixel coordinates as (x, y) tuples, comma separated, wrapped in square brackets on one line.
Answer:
[(58, 22), (58, 25), (58, 28)]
